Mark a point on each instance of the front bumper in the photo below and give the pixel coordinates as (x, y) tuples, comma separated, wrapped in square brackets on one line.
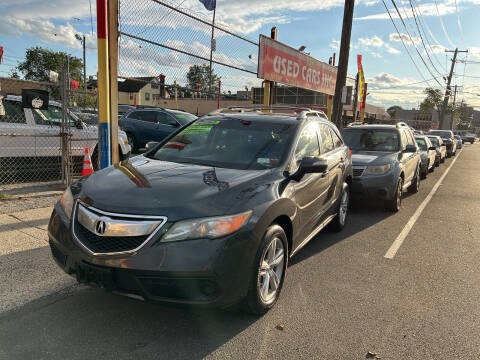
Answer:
[(378, 187), (213, 273)]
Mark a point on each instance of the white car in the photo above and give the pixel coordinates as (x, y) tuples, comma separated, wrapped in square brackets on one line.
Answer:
[(30, 138)]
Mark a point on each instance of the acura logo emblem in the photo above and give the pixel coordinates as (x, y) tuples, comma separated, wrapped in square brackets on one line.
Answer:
[(100, 227)]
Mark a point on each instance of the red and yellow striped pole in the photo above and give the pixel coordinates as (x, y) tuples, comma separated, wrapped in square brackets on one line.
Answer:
[(103, 86)]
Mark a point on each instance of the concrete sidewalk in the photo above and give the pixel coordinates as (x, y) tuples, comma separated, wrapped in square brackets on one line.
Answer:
[(27, 270)]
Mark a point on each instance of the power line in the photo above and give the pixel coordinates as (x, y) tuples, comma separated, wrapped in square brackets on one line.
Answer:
[(91, 18), (422, 22), (421, 37), (413, 43), (405, 46), (443, 25)]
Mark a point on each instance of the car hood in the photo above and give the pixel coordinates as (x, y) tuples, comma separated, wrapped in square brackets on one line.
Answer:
[(372, 157), (151, 187)]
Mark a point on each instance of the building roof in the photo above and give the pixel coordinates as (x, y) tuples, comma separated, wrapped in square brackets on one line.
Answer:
[(134, 85)]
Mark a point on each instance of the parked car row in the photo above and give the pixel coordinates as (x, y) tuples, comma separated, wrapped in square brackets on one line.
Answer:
[(211, 214), (389, 160)]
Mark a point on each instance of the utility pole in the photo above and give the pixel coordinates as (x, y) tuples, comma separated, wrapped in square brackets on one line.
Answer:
[(343, 62), (448, 89)]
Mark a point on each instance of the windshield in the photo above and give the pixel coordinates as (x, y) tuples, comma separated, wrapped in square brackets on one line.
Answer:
[(184, 118), (90, 119), (371, 139), (434, 141), (229, 143), (421, 144), (51, 116), (442, 134)]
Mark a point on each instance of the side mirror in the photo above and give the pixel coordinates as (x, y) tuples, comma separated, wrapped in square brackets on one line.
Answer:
[(150, 145), (310, 165), (432, 148), (410, 149)]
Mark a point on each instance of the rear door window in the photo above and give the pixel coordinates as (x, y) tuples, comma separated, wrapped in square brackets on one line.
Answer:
[(165, 119), (14, 113), (337, 142)]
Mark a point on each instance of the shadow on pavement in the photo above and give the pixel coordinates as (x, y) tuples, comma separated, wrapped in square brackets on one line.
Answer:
[(92, 323), (361, 216)]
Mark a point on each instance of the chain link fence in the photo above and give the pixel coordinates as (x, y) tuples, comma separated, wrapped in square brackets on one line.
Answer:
[(45, 145), (163, 42)]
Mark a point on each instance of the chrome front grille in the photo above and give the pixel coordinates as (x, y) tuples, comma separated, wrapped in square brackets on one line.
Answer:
[(105, 233), (358, 171)]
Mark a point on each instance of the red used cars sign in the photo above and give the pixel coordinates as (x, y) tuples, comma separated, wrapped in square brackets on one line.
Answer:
[(281, 63)]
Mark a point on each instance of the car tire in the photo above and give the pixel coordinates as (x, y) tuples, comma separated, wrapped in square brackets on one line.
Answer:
[(416, 182), (471, 142), (338, 223), (261, 295), (395, 203), (442, 160), (433, 168), (424, 174)]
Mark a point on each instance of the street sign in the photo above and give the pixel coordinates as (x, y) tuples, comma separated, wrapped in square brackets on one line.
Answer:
[(281, 63)]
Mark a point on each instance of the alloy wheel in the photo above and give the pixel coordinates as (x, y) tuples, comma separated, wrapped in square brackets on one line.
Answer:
[(270, 271)]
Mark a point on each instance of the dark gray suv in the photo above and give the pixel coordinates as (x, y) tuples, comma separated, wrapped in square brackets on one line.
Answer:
[(386, 162), (211, 215)]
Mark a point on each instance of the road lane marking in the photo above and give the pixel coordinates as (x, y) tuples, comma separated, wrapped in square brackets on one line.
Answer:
[(406, 230)]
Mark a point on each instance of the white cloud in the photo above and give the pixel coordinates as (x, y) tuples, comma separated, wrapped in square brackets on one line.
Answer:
[(427, 9), (33, 17), (395, 37), (376, 42), (335, 44)]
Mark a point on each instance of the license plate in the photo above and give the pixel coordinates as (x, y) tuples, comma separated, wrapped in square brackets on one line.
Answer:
[(91, 274)]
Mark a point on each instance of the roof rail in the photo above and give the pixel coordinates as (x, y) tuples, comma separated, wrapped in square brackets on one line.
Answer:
[(301, 111)]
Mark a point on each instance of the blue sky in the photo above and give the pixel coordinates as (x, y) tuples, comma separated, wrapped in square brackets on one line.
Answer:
[(313, 23)]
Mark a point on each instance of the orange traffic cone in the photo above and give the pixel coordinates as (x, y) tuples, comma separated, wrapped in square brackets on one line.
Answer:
[(87, 164)]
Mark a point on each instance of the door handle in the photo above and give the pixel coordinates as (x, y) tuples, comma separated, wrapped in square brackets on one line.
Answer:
[(325, 173)]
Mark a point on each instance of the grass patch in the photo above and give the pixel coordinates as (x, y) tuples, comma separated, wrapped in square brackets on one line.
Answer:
[(3, 196)]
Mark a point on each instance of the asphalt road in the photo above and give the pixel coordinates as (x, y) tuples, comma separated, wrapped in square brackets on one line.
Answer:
[(342, 296)]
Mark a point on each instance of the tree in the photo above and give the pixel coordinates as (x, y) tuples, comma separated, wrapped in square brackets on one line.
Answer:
[(14, 74), (392, 110), (432, 101), (202, 78), (39, 61)]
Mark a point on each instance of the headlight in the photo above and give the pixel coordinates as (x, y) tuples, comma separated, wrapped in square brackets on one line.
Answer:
[(206, 228), (66, 202), (377, 169)]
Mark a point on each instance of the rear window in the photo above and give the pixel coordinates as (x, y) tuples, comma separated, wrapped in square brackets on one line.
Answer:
[(229, 143), (422, 144), (434, 141), (442, 134), (184, 118), (371, 139)]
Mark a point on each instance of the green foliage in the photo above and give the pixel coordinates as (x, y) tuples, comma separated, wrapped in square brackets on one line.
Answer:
[(39, 61), (201, 74), (432, 101)]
